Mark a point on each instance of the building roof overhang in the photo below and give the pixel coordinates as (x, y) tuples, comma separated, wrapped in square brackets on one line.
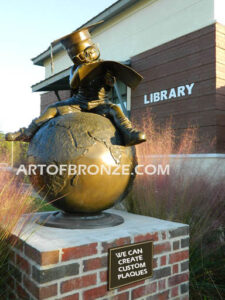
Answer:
[(58, 81)]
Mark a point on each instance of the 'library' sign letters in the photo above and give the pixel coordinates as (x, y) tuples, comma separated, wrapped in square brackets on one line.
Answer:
[(177, 92)]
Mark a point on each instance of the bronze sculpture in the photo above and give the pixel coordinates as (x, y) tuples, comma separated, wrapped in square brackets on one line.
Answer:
[(91, 78), (85, 129)]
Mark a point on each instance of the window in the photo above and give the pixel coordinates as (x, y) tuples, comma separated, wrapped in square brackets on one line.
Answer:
[(123, 92)]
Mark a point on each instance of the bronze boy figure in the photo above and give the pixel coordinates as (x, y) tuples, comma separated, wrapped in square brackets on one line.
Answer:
[(91, 79)]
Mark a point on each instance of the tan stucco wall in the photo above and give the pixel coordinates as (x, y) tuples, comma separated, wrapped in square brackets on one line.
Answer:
[(146, 26)]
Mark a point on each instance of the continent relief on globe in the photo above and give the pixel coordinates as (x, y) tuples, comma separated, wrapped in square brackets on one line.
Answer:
[(81, 138)]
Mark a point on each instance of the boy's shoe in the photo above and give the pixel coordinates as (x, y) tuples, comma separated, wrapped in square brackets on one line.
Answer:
[(20, 135), (134, 137)]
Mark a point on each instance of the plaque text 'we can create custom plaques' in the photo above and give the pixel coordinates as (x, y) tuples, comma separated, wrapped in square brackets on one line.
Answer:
[(130, 263)]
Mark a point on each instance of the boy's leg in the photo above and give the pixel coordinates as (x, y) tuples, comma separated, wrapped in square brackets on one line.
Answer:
[(130, 135), (25, 134)]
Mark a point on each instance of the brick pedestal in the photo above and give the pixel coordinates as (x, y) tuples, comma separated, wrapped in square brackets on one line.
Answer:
[(60, 264)]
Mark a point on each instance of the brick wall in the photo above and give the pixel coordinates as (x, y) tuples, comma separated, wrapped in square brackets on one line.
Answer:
[(80, 272), (220, 84), (188, 59)]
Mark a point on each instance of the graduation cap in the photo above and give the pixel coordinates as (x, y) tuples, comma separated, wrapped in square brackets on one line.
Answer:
[(77, 41)]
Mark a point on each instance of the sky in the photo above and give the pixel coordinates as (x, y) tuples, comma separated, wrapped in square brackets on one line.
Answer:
[(27, 29)]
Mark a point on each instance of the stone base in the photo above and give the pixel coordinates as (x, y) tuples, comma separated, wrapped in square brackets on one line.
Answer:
[(64, 220), (63, 264)]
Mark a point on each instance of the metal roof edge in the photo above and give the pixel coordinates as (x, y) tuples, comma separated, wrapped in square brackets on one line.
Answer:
[(105, 15), (110, 12)]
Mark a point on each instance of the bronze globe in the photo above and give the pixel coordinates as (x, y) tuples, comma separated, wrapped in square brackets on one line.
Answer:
[(81, 139)]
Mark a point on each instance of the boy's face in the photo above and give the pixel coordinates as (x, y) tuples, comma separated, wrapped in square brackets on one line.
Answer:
[(91, 53), (88, 55)]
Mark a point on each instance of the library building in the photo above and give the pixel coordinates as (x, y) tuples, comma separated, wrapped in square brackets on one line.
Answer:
[(179, 49)]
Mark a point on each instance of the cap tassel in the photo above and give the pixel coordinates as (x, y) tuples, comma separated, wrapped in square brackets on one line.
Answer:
[(52, 60)]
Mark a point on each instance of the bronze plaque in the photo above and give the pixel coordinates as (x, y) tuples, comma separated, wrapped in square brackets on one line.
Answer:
[(130, 263)]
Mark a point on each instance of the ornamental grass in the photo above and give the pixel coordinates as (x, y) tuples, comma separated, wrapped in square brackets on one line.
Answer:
[(193, 193), (15, 201)]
